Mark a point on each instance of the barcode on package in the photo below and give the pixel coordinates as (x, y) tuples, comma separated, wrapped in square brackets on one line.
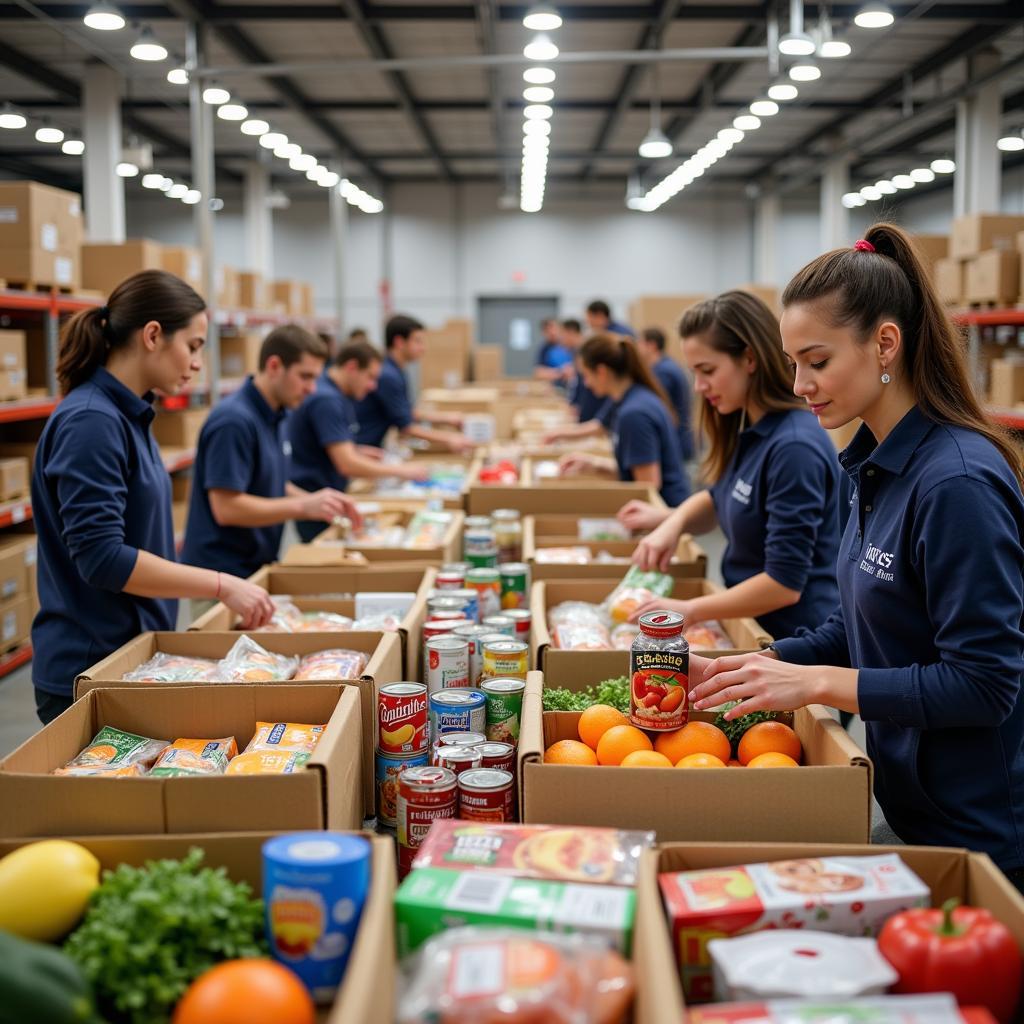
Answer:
[(594, 908), (479, 892), (478, 971)]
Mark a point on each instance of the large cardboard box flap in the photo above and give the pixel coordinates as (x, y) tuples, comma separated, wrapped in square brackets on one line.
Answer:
[(105, 266)]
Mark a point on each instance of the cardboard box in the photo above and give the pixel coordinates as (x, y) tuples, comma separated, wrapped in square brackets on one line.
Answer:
[(326, 794), (589, 498), (446, 361), (251, 290), (41, 235), (308, 299), (1006, 382), (334, 590), (104, 267), (240, 354), (228, 292), (187, 263), (15, 622), (561, 531), (372, 490), (13, 365), (179, 429), (664, 311), (827, 799), (970, 877), (385, 666), (179, 518), (977, 232), (488, 362), (287, 295), (17, 562), (326, 547), (367, 993), (993, 276), (948, 277), (931, 249), (14, 476)]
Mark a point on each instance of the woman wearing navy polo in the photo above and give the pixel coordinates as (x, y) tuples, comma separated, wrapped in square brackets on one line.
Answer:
[(927, 644), (774, 477), (101, 497)]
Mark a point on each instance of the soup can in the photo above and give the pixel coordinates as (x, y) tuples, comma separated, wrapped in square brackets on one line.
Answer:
[(425, 795), (446, 603), (515, 584), (487, 584), (506, 659), (474, 636), (456, 569), (501, 624), (447, 663), (463, 739), (402, 718), (486, 794), (472, 599), (387, 768), (456, 711), (522, 619), (458, 759), (450, 580), (504, 708), (498, 755)]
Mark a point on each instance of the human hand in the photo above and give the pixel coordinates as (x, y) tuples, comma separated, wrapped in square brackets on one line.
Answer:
[(759, 680), (657, 549), (639, 515), (250, 603), (575, 463)]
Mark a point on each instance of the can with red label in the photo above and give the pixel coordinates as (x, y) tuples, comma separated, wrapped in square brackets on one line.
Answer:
[(447, 663), (659, 673), (425, 795), (458, 759), (387, 769), (485, 794), (522, 619), (498, 755), (402, 718), (450, 581), (457, 739), (456, 569)]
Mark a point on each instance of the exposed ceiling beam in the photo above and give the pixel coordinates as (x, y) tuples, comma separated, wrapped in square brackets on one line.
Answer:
[(29, 171), (485, 18)]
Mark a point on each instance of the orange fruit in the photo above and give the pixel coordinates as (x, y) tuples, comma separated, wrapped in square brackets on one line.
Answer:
[(246, 992), (700, 761), (733, 763), (772, 759), (569, 752), (597, 720), (694, 738), (769, 738), (645, 759), (619, 741)]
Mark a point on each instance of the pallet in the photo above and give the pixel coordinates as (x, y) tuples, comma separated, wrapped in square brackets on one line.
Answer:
[(991, 305), (11, 284)]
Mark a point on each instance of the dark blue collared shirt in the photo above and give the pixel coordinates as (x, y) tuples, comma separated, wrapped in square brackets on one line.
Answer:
[(643, 433), (388, 406), (932, 616), (100, 495), (588, 406), (670, 376)]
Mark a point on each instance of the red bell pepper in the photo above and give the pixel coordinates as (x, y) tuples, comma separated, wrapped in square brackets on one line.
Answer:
[(962, 950)]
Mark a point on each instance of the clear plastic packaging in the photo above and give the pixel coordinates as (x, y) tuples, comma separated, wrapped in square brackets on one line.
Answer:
[(562, 556), (707, 636), (247, 662), (601, 530), (623, 636), (288, 618), (113, 752), (576, 612), (173, 668), (637, 587), (196, 757), (335, 663), (295, 736), (511, 976), (380, 622), (580, 636)]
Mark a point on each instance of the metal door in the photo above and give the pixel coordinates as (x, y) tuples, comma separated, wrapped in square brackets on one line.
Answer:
[(513, 322)]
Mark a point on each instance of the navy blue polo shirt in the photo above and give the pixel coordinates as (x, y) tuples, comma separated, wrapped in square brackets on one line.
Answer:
[(932, 605), (100, 494), (553, 355), (778, 504), (615, 327), (588, 406), (388, 406), (670, 376), (241, 448), (644, 433)]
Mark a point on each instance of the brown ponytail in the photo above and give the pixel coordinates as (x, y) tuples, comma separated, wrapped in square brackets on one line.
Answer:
[(621, 357), (736, 323), (861, 288), (89, 336)]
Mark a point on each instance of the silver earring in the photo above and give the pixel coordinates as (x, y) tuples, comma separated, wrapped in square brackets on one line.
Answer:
[(886, 378)]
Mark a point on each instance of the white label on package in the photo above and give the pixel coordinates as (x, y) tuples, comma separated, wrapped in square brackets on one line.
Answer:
[(62, 270), (479, 427), (10, 588), (74, 208), (593, 908), (8, 215), (10, 626), (378, 604), (479, 891), (48, 237), (30, 555), (478, 971)]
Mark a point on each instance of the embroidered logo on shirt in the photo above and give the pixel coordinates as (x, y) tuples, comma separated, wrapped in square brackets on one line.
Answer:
[(741, 491), (876, 562), (286, 447)]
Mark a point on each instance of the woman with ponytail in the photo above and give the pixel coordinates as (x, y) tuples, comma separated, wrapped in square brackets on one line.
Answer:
[(101, 497), (927, 643), (645, 435)]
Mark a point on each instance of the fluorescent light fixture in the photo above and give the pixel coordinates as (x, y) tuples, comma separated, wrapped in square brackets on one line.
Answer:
[(540, 48), (47, 133), (73, 147), (148, 48), (126, 169), (538, 94), (177, 190), (11, 119), (302, 162), (853, 199), (537, 128), (329, 180), (104, 18), (539, 76), (805, 71), (886, 187), (655, 145), (832, 49), (731, 135), (783, 92), (764, 108), (313, 174), (254, 126), (537, 112), (232, 112), (796, 44), (215, 95), (152, 181), (870, 193), (1011, 143), (191, 197), (922, 174), (746, 123), (943, 165), (542, 18), (177, 76), (273, 139), (903, 181), (874, 15), (167, 184), (288, 151), (717, 148)]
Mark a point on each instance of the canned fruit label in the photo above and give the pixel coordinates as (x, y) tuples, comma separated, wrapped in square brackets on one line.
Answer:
[(504, 709), (387, 770), (402, 718), (447, 664), (659, 684), (506, 659)]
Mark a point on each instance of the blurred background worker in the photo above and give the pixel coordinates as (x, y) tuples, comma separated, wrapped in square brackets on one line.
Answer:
[(599, 320), (669, 374), (554, 358)]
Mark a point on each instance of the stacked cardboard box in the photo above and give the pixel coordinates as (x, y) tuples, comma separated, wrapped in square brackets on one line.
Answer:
[(1006, 382), (663, 311), (105, 266), (286, 297), (239, 354), (251, 290), (187, 263), (13, 365), (986, 246), (18, 600), (14, 476), (228, 288), (488, 362), (40, 235), (179, 429), (446, 361)]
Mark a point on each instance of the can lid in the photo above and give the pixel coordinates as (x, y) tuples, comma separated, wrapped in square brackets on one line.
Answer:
[(513, 568), (458, 753), (461, 739), (495, 748), (483, 575), (319, 848), (485, 778), (404, 689), (661, 623), (458, 696), (428, 777), (502, 685), (447, 642), (507, 645)]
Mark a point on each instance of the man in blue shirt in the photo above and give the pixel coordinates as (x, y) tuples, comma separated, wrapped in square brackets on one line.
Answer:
[(554, 358), (599, 319), (323, 429), (669, 374), (595, 416), (390, 405), (241, 495)]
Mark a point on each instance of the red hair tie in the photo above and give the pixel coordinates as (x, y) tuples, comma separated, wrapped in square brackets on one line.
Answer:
[(861, 245)]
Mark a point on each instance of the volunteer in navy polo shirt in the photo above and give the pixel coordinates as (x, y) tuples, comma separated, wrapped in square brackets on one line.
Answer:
[(927, 643), (323, 429), (241, 494), (644, 437), (669, 374), (390, 405), (774, 478), (599, 320), (594, 415), (554, 357), (101, 497)]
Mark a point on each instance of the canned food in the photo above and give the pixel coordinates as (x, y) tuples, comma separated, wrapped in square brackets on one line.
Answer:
[(477, 541), (515, 584), (498, 755), (402, 718), (472, 599), (476, 661), (425, 795), (445, 603), (522, 618), (458, 759), (435, 629), (487, 584), (459, 568), (456, 711), (474, 636), (504, 708), (484, 560), (472, 523), (506, 659), (387, 768), (450, 580), (464, 739), (508, 532), (659, 670), (485, 794), (501, 624), (447, 663)]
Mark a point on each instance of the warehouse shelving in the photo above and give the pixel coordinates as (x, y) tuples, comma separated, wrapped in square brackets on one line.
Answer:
[(974, 320)]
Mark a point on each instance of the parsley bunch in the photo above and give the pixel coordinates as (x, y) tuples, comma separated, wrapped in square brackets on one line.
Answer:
[(611, 691)]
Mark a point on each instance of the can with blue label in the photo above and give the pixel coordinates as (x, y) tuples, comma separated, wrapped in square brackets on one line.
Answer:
[(387, 768), (457, 710), (314, 886)]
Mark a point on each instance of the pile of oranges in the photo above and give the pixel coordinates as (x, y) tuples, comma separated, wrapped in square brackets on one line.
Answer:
[(607, 738)]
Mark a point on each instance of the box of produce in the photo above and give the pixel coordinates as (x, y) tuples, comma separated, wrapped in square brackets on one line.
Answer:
[(94, 923), (971, 950), (762, 777), (90, 771), (364, 661)]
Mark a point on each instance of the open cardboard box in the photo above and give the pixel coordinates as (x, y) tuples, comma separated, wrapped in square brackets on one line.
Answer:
[(827, 799), (534, 477), (562, 531), (367, 993), (588, 498), (326, 589), (327, 793), (383, 649), (371, 490), (333, 541), (971, 877), (746, 635)]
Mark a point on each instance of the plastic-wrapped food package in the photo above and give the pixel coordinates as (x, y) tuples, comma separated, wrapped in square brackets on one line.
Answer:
[(335, 663), (511, 976), (247, 662), (601, 530), (267, 762), (294, 736), (196, 757), (562, 556), (580, 636), (707, 636), (323, 622), (114, 752), (285, 617), (426, 529), (576, 612), (173, 668), (637, 587), (381, 622), (623, 636)]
